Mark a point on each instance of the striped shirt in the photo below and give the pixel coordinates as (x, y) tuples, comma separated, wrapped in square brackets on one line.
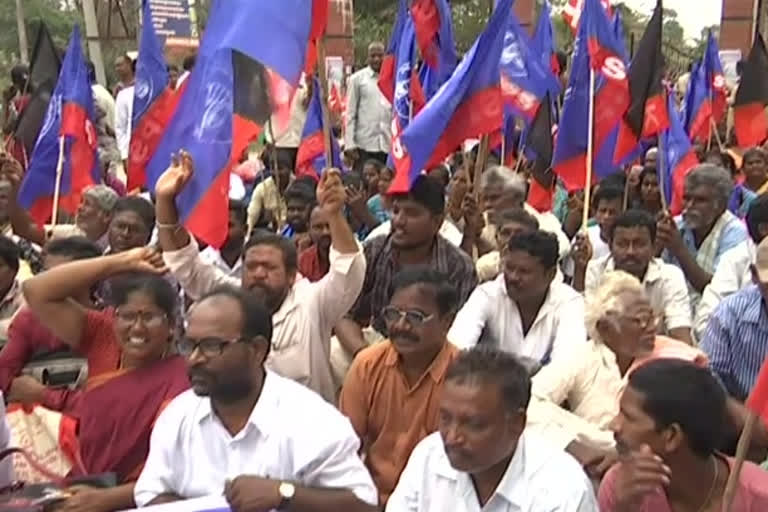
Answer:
[(381, 257), (736, 340)]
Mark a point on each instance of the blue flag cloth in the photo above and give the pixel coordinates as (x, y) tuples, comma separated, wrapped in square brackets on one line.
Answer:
[(310, 158)]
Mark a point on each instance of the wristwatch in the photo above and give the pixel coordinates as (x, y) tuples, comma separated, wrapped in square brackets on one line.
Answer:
[(286, 490)]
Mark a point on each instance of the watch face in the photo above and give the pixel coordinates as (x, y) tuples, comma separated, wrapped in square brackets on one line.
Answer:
[(286, 490)]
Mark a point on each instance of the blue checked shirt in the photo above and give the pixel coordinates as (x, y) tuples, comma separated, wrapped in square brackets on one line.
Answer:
[(736, 340)]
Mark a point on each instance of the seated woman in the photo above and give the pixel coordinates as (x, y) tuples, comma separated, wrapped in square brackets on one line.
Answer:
[(622, 330), (115, 414)]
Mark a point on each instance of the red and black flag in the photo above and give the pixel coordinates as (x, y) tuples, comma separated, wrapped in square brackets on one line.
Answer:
[(749, 121), (43, 75), (647, 114), (540, 142)]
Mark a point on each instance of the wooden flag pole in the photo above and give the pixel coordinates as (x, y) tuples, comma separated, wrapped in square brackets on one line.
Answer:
[(480, 161), (741, 455), (662, 165), (57, 185), (590, 150), (713, 129), (323, 80)]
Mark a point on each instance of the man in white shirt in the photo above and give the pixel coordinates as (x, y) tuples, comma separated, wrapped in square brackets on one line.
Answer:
[(369, 114), (304, 313), (524, 311), (733, 272), (481, 459), (242, 431), (230, 257), (123, 120), (632, 250), (502, 189)]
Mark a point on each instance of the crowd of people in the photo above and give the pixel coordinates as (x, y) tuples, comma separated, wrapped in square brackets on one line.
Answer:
[(451, 348)]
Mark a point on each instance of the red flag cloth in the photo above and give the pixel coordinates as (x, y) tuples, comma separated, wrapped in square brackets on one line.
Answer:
[(758, 398), (316, 31)]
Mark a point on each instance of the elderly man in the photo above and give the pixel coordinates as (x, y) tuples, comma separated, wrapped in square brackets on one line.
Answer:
[(706, 230), (502, 189), (303, 313), (368, 132), (482, 456), (91, 221), (622, 332)]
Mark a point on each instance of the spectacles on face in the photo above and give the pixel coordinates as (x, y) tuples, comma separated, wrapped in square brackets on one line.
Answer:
[(209, 347), (393, 315), (148, 318)]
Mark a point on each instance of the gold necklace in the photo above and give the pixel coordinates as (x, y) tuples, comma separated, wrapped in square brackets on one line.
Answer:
[(712, 487)]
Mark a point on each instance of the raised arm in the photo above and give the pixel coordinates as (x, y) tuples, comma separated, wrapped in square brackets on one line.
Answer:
[(49, 294), (170, 233), (21, 222)]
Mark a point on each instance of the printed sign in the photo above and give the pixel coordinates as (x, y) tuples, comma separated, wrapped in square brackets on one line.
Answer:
[(173, 22)]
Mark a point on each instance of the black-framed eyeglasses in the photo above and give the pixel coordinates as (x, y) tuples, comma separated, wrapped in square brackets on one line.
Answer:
[(209, 347), (391, 315), (148, 318)]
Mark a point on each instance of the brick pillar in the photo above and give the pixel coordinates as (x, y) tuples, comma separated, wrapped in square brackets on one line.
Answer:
[(736, 27), (339, 40)]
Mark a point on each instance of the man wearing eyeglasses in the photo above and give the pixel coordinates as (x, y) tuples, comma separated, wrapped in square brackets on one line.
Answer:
[(303, 313), (390, 393), (264, 442)]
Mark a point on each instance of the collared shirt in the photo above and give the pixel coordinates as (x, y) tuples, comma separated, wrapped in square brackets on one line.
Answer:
[(302, 325), (736, 340), (9, 305), (212, 256), (664, 284), (732, 274), (291, 435), (389, 414), (590, 381), (123, 120), (490, 313), (539, 478), (369, 114), (751, 491), (266, 197), (383, 265)]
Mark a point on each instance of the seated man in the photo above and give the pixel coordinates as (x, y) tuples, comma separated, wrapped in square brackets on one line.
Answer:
[(314, 262), (417, 217), (508, 224), (733, 273), (632, 250), (10, 290), (391, 391), (524, 311), (482, 458), (230, 257), (622, 332), (698, 239), (27, 336), (735, 339), (263, 441), (669, 458), (304, 313), (299, 201)]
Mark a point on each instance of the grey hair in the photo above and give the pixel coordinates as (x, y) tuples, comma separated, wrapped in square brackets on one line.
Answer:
[(714, 176), (377, 45), (609, 299), (503, 178)]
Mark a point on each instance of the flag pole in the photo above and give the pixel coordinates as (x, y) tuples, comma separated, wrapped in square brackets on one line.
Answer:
[(662, 165), (480, 161), (590, 150), (713, 129), (741, 454), (57, 185), (323, 80)]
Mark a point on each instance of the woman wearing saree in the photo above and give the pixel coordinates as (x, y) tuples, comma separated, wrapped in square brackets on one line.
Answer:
[(115, 415)]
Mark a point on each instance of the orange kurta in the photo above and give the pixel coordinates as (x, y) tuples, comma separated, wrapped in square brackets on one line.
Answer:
[(390, 416)]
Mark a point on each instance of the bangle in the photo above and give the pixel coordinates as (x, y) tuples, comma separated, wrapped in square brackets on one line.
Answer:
[(175, 226)]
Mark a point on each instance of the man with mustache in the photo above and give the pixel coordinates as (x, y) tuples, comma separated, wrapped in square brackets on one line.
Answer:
[(262, 441), (391, 391), (632, 239), (525, 311), (481, 457), (303, 313), (314, 262), (672, 419), (696, 241)]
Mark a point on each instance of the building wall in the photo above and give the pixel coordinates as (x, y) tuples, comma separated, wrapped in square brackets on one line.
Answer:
[(339, 41), (736, 27)]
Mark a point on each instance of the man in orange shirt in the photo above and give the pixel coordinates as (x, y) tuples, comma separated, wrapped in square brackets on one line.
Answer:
[(391, 393)]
